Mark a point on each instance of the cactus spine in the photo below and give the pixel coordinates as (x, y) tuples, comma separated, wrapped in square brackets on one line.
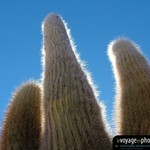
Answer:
[(22, 125), (72, 115), (132, 73)]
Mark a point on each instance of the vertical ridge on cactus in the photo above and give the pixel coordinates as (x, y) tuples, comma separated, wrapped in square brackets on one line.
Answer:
[(22, 125), (132, 73)]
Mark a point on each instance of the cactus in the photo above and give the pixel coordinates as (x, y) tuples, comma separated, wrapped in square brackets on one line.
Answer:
[(132, 73), (72, 115), (22, 126), (63, 112)]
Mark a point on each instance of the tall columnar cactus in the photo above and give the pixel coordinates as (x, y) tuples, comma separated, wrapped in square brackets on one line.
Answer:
[(63, 113), (72, 115), (132, 73)]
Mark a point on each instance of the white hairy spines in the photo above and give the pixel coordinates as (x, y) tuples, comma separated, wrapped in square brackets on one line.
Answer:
[(132, 74)]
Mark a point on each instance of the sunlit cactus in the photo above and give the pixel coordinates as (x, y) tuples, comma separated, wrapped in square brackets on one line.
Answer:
[(72, 115), (63, 113), (132, 73)]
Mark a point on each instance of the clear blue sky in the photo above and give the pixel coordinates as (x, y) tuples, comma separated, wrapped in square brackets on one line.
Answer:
[(94, 23)]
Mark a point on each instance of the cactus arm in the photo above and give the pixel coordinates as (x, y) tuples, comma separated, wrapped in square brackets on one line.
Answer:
[(132, 73), (73, 118), (22, 124)]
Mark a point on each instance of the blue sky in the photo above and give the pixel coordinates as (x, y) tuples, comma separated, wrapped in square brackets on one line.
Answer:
[(93, 23)]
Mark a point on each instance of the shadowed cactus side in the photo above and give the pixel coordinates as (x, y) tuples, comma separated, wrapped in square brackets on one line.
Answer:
[(66, 114)]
